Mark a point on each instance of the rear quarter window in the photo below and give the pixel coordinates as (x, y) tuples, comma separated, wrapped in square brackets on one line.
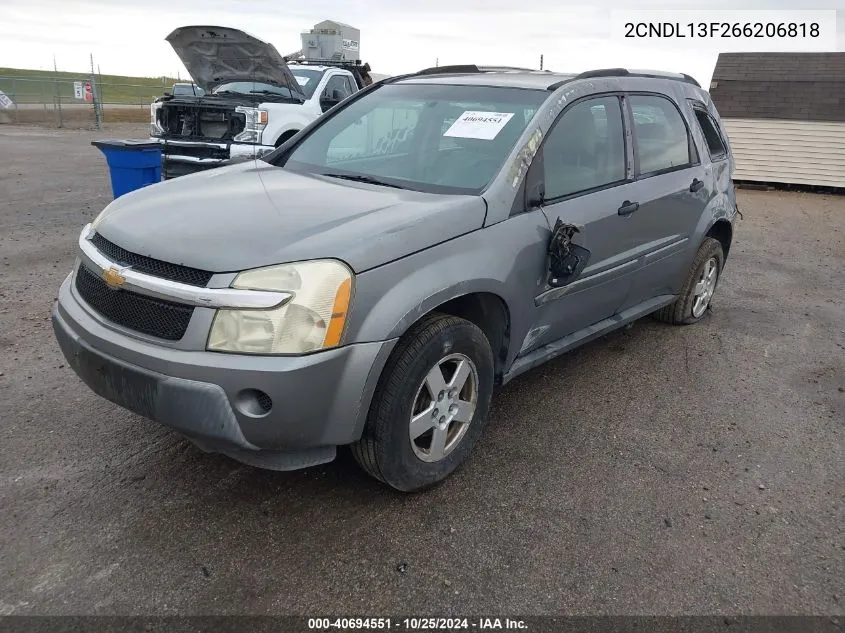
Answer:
[(710, 130)]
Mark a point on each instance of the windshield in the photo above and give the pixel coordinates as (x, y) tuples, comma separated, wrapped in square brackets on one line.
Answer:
[(253, 87), (307, 79), (435, 138), (187, 89)]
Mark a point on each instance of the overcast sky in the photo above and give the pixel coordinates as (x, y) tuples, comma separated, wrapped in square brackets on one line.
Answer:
[(127, 36)]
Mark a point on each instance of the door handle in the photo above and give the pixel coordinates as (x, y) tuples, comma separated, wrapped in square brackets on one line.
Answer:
[(696, 185), (628, 207)]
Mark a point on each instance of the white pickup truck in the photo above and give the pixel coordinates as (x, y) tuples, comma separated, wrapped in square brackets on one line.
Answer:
[(253, 101)]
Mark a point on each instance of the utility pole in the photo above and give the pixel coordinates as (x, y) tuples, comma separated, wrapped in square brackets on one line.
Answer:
[(58, 95), (541, 61), (436, 61), (98, 118)]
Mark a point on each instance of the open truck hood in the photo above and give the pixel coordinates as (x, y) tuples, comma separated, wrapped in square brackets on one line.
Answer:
[(215, 54)]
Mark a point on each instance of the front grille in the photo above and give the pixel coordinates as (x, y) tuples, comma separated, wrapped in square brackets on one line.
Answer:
[(156, 317), (155, 267), (196, 151)]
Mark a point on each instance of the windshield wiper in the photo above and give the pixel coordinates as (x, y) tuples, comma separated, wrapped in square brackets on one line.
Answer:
[(367, 179)]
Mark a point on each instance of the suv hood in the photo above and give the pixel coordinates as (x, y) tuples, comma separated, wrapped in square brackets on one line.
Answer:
[(217, 54), (255, 214)]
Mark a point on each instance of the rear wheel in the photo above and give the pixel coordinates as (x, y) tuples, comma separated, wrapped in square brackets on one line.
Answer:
[(699, 286), (430, 405)]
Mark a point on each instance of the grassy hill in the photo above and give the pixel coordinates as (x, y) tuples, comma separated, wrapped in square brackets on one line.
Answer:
[(40, 86)]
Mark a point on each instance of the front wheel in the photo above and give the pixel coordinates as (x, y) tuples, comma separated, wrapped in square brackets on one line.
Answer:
[(430, 405), (699, 286)]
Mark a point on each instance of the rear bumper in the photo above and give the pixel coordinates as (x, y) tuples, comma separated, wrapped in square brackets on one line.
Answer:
[(319, 401), (184, 157)]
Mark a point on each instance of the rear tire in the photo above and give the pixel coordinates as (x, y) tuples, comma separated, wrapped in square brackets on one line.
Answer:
[(420, 428), (694, 298)]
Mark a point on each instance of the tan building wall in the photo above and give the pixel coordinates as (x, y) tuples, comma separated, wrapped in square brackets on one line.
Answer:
[(788, 151)]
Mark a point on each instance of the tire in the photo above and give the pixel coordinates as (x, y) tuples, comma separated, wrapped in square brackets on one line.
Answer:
[(685, 310), (386, 449)]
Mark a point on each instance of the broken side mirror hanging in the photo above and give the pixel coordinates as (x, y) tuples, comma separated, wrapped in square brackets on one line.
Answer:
[(566, 260)]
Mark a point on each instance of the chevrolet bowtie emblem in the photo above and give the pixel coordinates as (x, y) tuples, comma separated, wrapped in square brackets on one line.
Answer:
[(113, 277)]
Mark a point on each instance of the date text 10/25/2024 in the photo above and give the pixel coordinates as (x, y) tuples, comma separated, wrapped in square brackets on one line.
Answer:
[(415, 624)]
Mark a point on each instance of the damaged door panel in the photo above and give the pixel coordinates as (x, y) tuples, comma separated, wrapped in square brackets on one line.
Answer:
[(584, 181), (566, 260)]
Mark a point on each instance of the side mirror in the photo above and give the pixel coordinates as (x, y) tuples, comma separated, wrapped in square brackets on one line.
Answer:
[(330, 100)]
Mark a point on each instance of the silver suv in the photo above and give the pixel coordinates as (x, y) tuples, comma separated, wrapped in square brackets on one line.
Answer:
[(370, 282)]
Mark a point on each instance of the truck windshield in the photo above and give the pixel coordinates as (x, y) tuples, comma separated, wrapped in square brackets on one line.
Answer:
[(434, 138), (253, 88), (181, 90), (308, 79)]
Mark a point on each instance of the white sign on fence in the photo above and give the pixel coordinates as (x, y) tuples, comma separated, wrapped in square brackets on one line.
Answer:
[(5, 102), (77, 90)]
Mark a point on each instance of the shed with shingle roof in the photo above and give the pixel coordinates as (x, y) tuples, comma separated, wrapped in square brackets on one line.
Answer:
[(784, 114)]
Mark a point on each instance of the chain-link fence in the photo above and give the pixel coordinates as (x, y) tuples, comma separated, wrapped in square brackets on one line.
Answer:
[(77, 102)]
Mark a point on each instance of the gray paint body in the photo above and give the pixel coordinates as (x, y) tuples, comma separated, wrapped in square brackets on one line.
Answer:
[(411, 253)]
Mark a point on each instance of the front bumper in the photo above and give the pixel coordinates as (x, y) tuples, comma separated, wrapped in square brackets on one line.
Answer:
[(319, 401), (184, 157)]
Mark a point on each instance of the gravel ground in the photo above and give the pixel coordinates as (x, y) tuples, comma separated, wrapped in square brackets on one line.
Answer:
[(659, 470)]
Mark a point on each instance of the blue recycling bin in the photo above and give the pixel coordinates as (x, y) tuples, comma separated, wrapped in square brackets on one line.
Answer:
[(132, 163)]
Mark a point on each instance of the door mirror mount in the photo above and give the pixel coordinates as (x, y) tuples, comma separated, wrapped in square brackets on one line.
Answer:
[(535, 193), (330, 99)]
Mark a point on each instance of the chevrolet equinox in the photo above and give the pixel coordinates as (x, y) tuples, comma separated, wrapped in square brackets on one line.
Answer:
[(370, 281)]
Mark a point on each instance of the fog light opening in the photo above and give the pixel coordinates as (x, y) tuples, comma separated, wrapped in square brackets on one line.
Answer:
[(253, 403)]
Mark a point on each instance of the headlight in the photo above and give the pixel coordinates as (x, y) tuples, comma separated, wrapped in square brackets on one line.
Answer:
[(256, 121), (99, 218), (155, 128), (313, 319)]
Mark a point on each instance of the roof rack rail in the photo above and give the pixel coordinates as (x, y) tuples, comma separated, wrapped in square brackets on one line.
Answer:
[(473, 68), (448, 70), (327, 62), (494, 69), (624, 72)]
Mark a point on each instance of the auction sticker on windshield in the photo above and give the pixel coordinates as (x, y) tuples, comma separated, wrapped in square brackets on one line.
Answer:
[(481, 125)]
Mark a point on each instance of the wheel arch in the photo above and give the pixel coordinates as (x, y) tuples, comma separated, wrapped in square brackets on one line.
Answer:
[(722, 230), (284, 136), (486, 309)]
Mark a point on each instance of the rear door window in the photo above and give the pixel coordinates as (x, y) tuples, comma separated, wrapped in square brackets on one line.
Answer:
[(662, 139), (350, 85)]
